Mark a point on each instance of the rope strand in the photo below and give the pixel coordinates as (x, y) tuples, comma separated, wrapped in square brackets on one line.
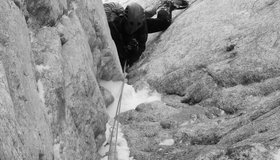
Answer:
[(113, 154)]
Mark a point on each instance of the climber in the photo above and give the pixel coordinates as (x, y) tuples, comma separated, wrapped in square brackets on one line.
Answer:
[(130, 26)]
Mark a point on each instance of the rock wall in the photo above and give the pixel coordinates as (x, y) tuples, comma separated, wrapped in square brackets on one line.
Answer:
[(52, 55), (217, 66)]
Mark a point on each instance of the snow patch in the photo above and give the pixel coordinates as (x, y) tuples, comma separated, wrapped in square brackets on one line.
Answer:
[(167, 142), (40, 68), (41, 91), (105, 146), (277, 155), (122, 147), (56, 152), (130, 100), (31, 36)]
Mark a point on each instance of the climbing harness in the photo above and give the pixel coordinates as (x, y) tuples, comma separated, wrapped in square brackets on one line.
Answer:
[(113, 151)]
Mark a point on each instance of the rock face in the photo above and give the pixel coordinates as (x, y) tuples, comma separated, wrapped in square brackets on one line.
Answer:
[(52, 55), (217, 66), (25, 131)]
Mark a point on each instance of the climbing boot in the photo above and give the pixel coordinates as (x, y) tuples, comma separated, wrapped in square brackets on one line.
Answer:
[(164, 11), (180, 4), (167, 6), (170, 5)]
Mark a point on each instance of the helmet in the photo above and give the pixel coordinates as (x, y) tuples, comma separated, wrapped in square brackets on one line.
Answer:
[(135, 17)]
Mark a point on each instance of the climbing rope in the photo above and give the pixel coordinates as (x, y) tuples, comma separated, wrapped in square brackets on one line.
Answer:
[(113, 151)]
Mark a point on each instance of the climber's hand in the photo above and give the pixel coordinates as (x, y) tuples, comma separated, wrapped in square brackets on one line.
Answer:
[(133, 45)]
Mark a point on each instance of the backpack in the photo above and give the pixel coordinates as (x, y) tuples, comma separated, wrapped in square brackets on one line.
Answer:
[(113, 11)]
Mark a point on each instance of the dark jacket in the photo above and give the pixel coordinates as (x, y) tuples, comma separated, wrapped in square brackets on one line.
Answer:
[(122, 40)]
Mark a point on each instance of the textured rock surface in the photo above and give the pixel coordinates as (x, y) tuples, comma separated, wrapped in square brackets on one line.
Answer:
[(25, 132), (99, 39), (46, 12), (218, 67), (52, 55)]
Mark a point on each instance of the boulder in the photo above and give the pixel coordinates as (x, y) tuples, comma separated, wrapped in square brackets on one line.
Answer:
[(108, 97)]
